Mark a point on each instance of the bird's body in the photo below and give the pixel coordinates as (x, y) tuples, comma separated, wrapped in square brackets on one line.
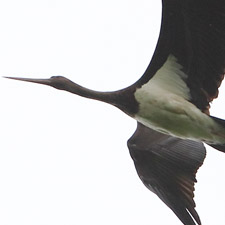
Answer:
[(164, 106), (177, 117), (171, 102)]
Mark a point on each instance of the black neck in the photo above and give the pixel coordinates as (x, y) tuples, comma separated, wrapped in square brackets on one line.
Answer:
[(122, 99)]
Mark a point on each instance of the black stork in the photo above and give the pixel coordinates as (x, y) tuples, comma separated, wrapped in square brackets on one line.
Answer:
[(171, 102)]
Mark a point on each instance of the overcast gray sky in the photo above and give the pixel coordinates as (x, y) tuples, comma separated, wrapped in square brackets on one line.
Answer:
[(63, 159)]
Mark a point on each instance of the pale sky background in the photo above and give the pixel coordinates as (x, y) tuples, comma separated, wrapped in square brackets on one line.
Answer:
[(63, 159)]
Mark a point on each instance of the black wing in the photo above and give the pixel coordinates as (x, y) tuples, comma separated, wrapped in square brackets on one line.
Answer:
[(167, 166), (194, 32)]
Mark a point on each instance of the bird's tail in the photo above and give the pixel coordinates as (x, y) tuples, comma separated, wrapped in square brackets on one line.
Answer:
[(221, 122)]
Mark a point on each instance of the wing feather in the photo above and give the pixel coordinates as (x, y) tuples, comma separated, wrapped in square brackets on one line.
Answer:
[(193, 32), (167, 166)]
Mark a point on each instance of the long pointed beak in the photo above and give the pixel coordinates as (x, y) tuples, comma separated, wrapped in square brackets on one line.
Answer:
[(38, 81)]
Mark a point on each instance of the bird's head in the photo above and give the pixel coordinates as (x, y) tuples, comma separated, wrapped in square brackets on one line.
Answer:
[(58, 82)]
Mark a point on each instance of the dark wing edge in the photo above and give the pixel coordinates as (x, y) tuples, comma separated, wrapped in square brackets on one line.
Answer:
[(167, 166)]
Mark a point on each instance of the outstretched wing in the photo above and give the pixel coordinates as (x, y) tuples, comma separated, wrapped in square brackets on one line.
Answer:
[(167, 166), (193, 32)]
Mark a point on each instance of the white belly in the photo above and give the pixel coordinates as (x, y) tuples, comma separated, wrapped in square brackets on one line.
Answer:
[(164, 106), (178, 118)]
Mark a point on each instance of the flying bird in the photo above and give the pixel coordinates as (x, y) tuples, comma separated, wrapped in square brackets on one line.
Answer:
[(171, 102)]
